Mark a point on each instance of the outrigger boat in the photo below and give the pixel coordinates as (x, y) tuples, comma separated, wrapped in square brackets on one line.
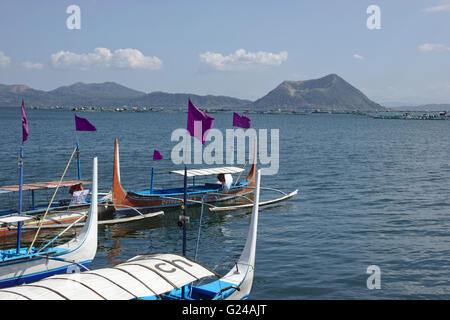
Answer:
[(129, 202), (24, 265), (152, 277), (59, 212)]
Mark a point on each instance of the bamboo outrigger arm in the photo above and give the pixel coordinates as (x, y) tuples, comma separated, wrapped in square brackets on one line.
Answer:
[(102, 222), (263, 203)]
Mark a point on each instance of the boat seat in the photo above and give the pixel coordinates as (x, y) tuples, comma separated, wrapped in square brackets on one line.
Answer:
[(209, 290)]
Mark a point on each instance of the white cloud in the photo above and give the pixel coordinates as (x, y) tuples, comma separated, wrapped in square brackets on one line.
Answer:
[(242, 60), (4, 60), (104, 58), (442, 7), (68, 60), (134, 59), (358, 57), (32, 66), (433, 47)]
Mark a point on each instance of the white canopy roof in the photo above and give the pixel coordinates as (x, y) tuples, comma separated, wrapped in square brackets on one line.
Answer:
[(210, 171), (42, 185), (14, 218), (141, 276)]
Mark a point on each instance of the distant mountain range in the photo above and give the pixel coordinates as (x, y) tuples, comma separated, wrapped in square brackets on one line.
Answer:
[(108, 94), (328, 93), (179, 100), (74, 95)]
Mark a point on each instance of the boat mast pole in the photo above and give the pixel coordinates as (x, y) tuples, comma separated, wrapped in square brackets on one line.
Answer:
[(78, 160), (19, 224), (185, 210), (151, 182), (184, 220)]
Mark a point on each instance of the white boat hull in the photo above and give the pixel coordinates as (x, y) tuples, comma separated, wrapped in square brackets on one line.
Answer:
[(68, 257)]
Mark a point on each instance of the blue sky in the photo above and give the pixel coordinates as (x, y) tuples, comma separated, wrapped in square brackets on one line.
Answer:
[(237, 48)]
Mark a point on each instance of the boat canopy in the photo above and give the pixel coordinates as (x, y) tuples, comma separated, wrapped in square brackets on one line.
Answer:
[(14, 218), (141, 276), (42, 185), (210, 171)]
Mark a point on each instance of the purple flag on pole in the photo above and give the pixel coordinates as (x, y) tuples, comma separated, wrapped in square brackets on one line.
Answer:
[(82, 124), (241, 121), (198, 122), (157, 155), (24, 124)]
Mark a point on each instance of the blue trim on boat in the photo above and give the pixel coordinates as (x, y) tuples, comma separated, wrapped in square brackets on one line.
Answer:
[(26, 258), (12, 255), (208, 187), (205, 292), (38, 275)]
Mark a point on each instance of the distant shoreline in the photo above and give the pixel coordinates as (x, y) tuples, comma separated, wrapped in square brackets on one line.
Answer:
[(386, 114)]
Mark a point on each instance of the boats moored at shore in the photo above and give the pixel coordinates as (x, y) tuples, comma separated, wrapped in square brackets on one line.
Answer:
[(152, 277), (28, 264)]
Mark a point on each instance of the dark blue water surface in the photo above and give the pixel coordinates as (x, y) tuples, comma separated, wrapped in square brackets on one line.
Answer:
[(371, 192)]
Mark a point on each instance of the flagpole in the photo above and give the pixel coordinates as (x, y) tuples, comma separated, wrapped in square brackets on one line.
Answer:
[(20, 164), (151, 182), (185, 210), (81, 124), (19, 224), (184, 216), (78, 159)]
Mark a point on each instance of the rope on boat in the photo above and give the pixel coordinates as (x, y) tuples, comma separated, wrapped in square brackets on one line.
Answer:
[(64, 231), (198, 232), (64, 260), (240, 173), (128, 207), (51, 201), (203, 203)]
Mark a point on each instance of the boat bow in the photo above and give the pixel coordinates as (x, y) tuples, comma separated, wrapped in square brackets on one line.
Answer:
[(33, 264), (88, 236), (119, 195), (241, 275)]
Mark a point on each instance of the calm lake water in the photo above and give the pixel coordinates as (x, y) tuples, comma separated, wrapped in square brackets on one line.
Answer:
[(371, 192)]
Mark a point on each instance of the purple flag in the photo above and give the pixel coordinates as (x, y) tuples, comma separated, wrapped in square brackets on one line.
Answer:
[(24, 124), (198, 122), (157, 155), (241, 121), (82, 124)]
